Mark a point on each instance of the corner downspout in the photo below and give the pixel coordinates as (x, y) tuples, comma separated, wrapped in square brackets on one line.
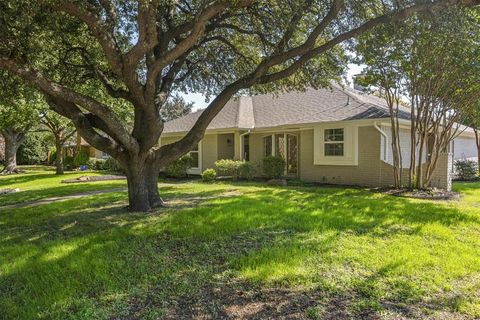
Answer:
[(375, 125), (241, 144)]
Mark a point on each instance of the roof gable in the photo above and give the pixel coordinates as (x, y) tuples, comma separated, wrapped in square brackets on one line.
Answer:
[(310, 106)]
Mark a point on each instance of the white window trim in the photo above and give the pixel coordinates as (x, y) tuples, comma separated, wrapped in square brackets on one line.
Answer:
[(334, 142), (197, 170), (350, 146)]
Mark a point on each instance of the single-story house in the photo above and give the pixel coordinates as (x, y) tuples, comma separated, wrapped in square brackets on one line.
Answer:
[(335, 135)]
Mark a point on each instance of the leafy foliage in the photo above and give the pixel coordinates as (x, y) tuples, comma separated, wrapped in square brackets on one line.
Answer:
[(96, 164), (175, 107), (235, 169), (209, 175), (111, 164), (432, 61), (34, 149), (247, 170), (273, 167), (179, 167), (81, 158), (228, 168), (466, 169)]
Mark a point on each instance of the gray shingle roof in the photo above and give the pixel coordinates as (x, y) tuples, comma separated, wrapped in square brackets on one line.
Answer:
[(313, 105)]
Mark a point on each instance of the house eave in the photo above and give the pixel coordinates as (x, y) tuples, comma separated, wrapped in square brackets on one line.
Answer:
[(285, 127)]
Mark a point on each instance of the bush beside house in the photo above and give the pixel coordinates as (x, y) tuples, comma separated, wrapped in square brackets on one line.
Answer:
[(179, 167), (273, 167), (466, 170), (235, 169), (209, 175)]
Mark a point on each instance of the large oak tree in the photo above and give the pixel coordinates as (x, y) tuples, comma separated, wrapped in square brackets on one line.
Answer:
[(19, 107), (141, 51)]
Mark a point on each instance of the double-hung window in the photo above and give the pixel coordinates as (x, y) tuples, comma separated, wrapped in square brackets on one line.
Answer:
[(334, 142), (194, 153)]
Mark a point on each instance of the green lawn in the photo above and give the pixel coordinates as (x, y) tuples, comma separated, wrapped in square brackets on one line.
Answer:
[(237, 250)]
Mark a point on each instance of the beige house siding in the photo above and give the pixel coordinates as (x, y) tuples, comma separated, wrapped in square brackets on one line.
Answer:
[(366, 173), (370, 171), (226, 146), (256, 150), (209, 151), (465, 148)]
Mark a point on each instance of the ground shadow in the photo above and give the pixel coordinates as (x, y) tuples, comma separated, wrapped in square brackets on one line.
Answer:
[(97, 256)]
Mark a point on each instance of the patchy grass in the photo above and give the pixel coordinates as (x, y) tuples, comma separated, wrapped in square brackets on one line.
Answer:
[(239, 250)]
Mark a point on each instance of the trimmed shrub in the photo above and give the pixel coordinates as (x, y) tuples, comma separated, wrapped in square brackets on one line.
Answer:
[(179, 167), (111, 164), (235, 169), (81, 158), (228, 168), (273, 167), (96, 164), (209, 175), (466, 169), (247, 170)]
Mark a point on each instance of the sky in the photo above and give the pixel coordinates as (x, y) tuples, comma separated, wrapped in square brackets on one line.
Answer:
[(200, 103)]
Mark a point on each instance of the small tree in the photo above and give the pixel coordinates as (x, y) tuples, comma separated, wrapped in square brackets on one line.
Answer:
[(381, 51), (433, 61), (61, 130), (472, 119), (18, 107)]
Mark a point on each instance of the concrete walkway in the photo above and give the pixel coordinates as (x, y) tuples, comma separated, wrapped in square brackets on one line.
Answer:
[(40, 202)]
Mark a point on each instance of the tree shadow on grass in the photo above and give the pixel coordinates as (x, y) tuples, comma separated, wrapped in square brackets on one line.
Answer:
[(78, 257)]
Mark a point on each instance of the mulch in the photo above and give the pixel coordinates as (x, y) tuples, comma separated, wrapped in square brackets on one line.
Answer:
[(428, 194), (94, 178)]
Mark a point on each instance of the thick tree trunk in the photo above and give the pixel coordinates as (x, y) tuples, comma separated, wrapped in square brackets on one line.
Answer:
[(142, 181), (13, 140), (59, 157)]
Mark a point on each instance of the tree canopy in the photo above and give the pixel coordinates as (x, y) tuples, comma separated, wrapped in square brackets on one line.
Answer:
[(139, 52), (19, 107), (175, 107), (433, 61)]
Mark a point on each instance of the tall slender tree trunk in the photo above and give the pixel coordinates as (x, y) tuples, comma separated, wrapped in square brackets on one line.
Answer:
[(142, 179), (59, 158), (13, 140), (477, 140)]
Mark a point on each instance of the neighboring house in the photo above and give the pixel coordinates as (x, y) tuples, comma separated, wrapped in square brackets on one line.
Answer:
[(81, 144), (335, 136)]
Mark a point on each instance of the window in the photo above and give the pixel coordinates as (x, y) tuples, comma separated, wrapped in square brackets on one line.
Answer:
[(280, 146), (334, 142), (267, 146), (195, 157), (246, 147)]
